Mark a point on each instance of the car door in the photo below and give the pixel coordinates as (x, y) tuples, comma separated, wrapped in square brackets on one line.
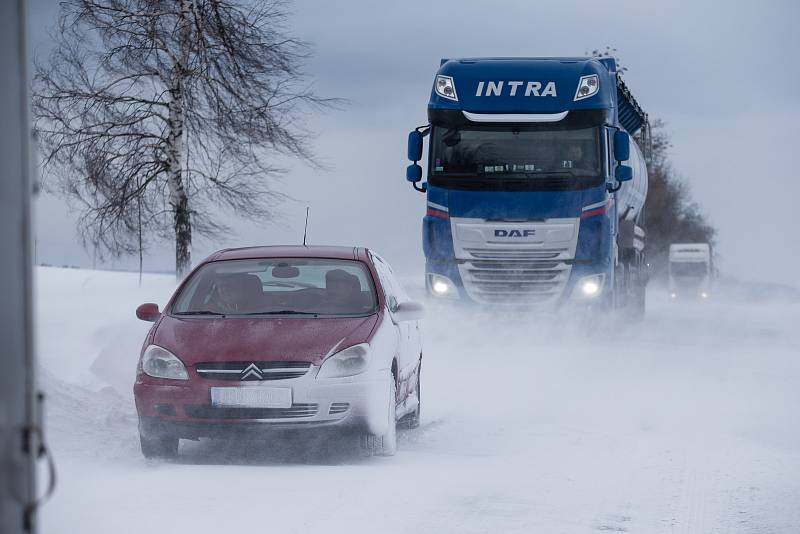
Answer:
[(408, 331)]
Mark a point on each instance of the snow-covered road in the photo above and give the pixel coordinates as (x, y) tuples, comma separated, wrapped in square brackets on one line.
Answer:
[(688, 423)]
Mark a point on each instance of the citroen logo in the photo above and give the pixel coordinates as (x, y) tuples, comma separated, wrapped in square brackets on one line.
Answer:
[(252, 372)]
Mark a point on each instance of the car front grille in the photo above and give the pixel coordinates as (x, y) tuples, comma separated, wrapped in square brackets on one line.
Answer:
[(338, 407), (246, 371), (198, 411)]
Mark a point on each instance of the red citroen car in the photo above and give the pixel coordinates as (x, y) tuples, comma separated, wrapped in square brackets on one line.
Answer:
[(285, 337)]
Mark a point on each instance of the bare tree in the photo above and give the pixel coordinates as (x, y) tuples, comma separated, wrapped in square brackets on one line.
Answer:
[(155, 114), (670, 214)]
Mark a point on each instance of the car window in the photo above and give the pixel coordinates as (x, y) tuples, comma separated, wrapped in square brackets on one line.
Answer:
[(393, 291), (279, 286)]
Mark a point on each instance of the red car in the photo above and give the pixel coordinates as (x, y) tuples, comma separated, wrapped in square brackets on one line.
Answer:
[(268, 338)]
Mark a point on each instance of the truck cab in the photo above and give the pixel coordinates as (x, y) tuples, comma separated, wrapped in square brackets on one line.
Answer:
[(690, 271), (534, 185)]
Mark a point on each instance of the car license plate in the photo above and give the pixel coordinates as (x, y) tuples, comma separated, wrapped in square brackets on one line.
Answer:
[(252, 397)]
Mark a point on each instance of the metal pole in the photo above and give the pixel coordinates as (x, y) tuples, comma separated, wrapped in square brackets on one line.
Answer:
[(20, 432)]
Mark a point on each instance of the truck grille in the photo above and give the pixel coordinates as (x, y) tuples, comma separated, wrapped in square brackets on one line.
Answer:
[(246, 371), (198, 411), (518, 277)]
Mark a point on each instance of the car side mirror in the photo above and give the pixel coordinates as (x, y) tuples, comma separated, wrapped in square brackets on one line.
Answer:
[(622, 146), (409, 311), (623, 173), (148, 312), (414, 146)]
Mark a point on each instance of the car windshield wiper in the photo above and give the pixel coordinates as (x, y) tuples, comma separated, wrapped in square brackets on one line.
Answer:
[(199, 312), (279, 312)]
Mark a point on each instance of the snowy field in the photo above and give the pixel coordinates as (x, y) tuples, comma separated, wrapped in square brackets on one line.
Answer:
[(689, 423)]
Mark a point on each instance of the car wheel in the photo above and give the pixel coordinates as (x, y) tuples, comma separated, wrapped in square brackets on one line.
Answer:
[(384, 444), (159, 446), (412, 420)]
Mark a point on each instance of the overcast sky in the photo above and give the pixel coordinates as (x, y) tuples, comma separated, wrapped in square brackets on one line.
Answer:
[(724, 79)]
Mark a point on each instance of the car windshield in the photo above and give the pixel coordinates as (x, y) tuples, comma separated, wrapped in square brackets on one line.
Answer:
[(510, 150), (688, 268), (278, 286)]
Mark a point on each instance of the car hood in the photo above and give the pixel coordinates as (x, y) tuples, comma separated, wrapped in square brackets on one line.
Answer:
[(196, 340)]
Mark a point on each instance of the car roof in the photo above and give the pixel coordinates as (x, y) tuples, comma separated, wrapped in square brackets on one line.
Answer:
[(285, 251)]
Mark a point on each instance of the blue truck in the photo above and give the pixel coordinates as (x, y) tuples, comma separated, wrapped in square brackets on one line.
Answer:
[(536, 184)]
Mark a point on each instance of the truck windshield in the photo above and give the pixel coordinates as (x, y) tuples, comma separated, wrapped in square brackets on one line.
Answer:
[(694, 269), (497, 152)]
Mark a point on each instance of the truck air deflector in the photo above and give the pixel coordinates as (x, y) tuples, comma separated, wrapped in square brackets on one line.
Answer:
[(515, 117)]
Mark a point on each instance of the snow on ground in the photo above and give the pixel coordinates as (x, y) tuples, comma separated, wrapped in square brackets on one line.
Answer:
[(687, 423)]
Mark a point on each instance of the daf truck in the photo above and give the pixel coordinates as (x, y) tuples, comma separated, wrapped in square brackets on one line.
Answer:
[(535, 184)]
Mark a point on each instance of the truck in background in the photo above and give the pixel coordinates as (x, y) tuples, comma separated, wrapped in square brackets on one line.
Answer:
[(534, 188), (690, 272)]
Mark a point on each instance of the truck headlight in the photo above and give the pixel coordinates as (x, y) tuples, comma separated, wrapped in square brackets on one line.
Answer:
[(589, 287), (587, 86), (446, 87), (348, 362), (158, 362), (441, 286)]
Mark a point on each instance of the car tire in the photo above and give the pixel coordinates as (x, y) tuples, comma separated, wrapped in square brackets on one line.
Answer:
[(384, 444), (412, 420), (164, 447)]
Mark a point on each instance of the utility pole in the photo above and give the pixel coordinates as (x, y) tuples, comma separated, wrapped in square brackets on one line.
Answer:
[(20, 421)]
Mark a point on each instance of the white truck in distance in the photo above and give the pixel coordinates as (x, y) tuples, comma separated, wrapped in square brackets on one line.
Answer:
[(690, 270)]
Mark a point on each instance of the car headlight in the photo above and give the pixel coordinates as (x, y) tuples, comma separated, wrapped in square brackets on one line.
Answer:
[(441, 286), (161, 363), (589, 287), (348, 362)]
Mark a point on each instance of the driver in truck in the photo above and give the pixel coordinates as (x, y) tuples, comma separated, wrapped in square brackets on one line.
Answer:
[(573, 156)]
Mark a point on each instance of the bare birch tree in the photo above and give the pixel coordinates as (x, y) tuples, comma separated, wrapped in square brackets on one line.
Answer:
[(155, 114)]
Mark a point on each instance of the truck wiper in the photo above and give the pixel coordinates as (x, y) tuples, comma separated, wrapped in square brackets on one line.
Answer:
[(200, 312), (548, 174)]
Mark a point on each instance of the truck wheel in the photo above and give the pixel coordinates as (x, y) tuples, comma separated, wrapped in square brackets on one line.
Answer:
[(641, 301), (164, 447), (384, 444), (636, 304)]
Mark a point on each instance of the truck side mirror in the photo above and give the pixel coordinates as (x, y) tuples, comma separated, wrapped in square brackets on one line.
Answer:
[(622, 146), (413, 173), (415, 146), (623, 173)]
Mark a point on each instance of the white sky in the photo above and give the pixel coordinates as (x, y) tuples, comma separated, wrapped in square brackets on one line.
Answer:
[(722, 77)]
